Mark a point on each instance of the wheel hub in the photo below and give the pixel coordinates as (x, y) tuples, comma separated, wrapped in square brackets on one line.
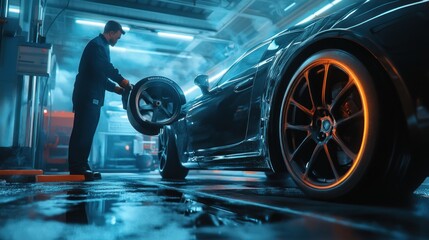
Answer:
[(157, 103), (326, 125), (323, 125)]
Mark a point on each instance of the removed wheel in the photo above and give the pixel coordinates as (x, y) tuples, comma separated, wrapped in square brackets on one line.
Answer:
[(154, 102)]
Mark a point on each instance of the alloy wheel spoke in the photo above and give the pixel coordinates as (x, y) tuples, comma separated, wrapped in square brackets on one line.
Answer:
[(313, 158), (331, 162), (342, 94), (325, 80), (155, 115), (304, 128), (147, 97), (350, 118), (301, 107), (307, 80), (145, 108), (344, 147), (165, 111), (163, 154), (160, 113), (300, 147)]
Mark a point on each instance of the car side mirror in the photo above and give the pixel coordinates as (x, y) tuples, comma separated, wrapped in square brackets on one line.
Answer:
[(202, 81)]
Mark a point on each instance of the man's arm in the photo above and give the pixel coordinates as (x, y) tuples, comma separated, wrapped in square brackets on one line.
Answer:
[(103, 64), (111, 87)]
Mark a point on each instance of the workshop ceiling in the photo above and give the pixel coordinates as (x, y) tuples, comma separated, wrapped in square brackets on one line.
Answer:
[(218, 30), (217, 26)]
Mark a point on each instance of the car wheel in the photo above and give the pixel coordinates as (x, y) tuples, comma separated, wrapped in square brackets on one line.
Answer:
[(330, 129), (154, 102), (169, 163)]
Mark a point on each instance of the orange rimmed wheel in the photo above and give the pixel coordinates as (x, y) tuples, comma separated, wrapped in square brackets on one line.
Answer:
[(329, 124)]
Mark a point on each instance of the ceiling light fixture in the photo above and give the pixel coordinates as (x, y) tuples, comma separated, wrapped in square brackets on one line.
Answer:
[(289, 7), (98, 24), (320, 11), (176, 36), (132, 50), (14, 9)]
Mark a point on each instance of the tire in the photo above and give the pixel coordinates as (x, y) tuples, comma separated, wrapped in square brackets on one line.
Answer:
[(331, 133), (275, 176), (169, 163), (154, 102), (276, 159)]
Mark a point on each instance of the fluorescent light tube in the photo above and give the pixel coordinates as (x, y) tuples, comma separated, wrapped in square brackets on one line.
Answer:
[(176, 36), (289, 7), (320, 11), (14, 9), (132, 50), (97, 24)]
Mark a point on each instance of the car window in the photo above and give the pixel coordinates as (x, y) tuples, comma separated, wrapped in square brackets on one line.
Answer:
[(249, 60)]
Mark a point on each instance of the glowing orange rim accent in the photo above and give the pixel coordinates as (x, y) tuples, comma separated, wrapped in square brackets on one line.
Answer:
[(355, 80)]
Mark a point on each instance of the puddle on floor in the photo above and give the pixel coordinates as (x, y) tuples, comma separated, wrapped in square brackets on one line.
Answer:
[(133, 210)]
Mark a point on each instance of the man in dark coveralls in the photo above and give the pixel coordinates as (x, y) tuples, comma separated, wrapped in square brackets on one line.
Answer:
[(95, 70)]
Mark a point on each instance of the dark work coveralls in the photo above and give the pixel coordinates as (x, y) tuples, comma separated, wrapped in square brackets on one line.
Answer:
[(91, 82)]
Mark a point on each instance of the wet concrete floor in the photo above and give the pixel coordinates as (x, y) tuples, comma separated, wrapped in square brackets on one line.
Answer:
[(231, 205)]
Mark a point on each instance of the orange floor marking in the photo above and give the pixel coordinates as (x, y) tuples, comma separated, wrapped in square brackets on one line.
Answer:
[(60, 178), (20, 172)]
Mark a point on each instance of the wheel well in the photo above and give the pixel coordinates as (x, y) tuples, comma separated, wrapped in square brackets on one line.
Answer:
[(363, 54)]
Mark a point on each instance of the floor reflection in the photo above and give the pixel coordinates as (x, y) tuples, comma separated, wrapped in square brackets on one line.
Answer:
[(200, 208), (83, 212)]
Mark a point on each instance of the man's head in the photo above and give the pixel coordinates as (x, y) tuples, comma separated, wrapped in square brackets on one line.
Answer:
[(112, 32)]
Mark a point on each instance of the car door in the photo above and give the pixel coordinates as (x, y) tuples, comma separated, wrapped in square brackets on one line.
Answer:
[(218, 120)]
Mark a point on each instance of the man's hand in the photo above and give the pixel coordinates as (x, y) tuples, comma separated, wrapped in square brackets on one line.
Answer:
[(119, 90), (125, 84)]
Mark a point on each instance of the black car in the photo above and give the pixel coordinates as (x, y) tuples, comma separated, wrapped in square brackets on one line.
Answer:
[(339, 103)]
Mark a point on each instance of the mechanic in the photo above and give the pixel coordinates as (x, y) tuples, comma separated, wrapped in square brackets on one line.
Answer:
[(92, 80)]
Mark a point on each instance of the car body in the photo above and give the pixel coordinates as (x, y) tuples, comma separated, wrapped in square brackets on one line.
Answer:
[(339, 103)]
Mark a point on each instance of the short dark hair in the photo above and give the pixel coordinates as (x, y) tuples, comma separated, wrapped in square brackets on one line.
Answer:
[(113, 26)]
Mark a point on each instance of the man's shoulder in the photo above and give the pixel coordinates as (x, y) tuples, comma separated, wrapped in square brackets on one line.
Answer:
[(97, 40)]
